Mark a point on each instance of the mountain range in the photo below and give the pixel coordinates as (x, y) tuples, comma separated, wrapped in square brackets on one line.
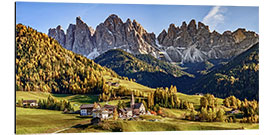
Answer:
[(181, 44), (189, 56)]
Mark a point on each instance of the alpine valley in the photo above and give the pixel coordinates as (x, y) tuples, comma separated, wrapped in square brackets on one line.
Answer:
[(119, 77), (179, 56)]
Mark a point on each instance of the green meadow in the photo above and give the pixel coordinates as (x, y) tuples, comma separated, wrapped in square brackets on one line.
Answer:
[(49, 121)]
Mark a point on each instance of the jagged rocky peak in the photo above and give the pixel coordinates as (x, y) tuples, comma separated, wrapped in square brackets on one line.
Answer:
[(161, 36), (70, 37), (192, 27), (113, 22), (58, 34), (112, 33), (190, 42), (92, 31), (194, 43), (202, 26)]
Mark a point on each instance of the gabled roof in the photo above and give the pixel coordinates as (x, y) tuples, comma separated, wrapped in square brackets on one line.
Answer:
[(109, 106), (128, 109), (136, 111), (88, 106), (29, 101), (85, 106), (137, 105)]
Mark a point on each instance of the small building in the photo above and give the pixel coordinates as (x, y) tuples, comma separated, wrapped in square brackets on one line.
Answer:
[(109, 83), (86, 109), (148, 113), (116, 84), (30, 103), (104, 114), (100, 113), (233, 111), (125, 113), (110, 108), (199, 94), (138, 109)]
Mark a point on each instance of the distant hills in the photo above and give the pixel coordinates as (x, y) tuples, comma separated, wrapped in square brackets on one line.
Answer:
[(146, 69), (223, 77), (239, 77), (42, 64)]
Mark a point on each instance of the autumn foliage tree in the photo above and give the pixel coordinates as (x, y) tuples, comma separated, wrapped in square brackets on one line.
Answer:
[(42, 64)]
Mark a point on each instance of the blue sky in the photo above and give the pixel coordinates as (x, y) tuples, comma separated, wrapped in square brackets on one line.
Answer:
[(154, 18)]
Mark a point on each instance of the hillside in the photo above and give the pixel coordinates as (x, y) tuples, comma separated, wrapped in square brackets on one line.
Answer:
[(42, 64), (174, 70), (239, 77), (145, 69)]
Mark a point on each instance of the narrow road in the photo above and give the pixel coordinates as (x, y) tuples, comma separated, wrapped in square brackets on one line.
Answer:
[(61, 130)]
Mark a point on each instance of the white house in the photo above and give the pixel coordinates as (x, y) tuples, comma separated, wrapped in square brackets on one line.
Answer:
[(86, 109), (31, 103), (100, 113), (138, 109)]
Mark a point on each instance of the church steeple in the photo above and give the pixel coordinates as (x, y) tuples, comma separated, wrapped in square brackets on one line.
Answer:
[(132, 102)]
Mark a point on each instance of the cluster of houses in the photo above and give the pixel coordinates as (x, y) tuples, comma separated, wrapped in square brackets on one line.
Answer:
[(106, 112)]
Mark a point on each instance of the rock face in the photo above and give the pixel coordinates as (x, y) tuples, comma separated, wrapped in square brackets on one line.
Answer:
[(113, 33), (83, 41), (192, 43), (187, 43), (58, 34)]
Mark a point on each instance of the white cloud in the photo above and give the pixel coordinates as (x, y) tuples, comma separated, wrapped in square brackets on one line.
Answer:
[(215, 17)]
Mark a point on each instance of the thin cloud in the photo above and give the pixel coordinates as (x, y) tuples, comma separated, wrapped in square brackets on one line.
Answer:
[(215, 17)]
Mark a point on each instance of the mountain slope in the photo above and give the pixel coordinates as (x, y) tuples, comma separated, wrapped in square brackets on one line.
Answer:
[(124, 63), (239, 77), (42, 64), (148, 71), (169, 68)]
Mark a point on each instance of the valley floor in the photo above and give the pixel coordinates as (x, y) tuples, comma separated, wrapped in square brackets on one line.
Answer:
[(49, 121)]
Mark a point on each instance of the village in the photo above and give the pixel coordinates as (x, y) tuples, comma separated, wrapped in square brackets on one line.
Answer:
[(98, 112), (107, 111)]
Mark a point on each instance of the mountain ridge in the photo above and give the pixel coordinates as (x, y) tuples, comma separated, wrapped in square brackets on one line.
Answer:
[(190, 42)]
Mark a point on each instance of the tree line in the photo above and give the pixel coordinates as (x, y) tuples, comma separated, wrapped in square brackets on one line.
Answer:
[(211, 111), (50, 103)]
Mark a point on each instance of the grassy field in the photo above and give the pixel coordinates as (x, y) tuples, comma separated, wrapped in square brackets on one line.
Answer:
[(44, 121), (195, 99), (76, 100), (163, 124), (48, 121), (129, 84)]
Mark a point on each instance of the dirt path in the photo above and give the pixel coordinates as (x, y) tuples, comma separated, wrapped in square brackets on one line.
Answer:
[(61, 130)]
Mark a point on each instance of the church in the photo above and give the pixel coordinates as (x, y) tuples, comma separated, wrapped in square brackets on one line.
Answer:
[(137, 108)]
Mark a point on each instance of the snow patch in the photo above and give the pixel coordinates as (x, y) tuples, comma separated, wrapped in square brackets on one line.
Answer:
[(93, 54), (127, 50), (193, 54), (177, 38), (167, 57), (110, 32), (158, 44)]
